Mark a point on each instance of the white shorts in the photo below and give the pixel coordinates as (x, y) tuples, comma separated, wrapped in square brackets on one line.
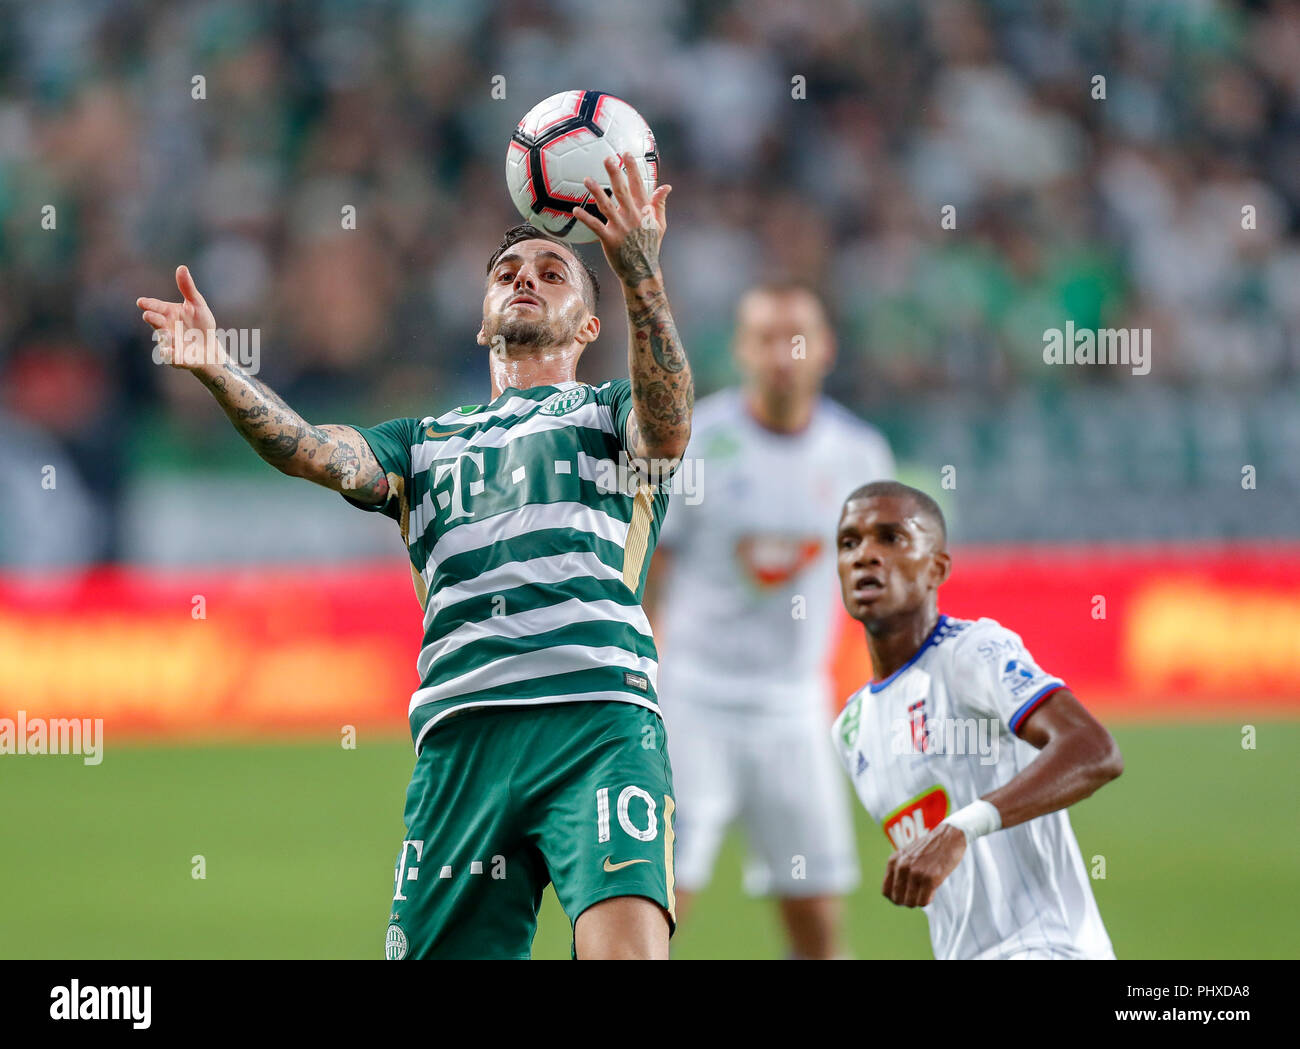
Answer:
[(780, 778)]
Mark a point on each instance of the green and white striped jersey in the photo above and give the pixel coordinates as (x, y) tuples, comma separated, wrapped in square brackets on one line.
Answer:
[(529, 549)]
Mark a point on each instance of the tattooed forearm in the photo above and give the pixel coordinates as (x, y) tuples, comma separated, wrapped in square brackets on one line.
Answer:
[(652, 322), (661, 405), (333, 456), (663, 389), (275, 430), (638, 256)]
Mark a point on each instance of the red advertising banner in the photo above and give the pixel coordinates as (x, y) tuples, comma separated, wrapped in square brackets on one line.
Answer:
[(1135, 632), (213, 653), (1163, 632)]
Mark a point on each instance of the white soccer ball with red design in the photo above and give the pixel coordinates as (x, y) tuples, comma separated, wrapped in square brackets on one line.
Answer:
[(562, 140)]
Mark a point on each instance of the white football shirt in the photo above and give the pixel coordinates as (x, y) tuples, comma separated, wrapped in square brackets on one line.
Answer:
[(938, 734), (747, 607)]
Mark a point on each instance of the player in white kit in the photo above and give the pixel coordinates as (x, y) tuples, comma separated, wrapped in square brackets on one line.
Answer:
[(745, 577), (964, 750)]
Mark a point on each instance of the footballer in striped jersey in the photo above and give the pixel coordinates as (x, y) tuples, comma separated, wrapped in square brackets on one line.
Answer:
[(529, 521)]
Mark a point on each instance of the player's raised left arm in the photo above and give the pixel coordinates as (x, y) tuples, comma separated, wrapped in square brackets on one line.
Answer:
[(663, 390), (1077, 756)]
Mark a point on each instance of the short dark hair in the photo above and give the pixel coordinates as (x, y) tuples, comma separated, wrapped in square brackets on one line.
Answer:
[(591, 285), (787, 284), (896, 489)]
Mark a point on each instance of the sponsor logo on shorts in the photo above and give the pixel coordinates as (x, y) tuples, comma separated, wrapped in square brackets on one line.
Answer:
[(395, 943), (610, 868)]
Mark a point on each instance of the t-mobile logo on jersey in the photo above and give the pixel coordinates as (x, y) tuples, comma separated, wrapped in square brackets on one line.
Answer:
[(455, 498)]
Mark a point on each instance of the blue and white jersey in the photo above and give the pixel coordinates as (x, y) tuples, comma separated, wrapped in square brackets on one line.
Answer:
[(940, 733)]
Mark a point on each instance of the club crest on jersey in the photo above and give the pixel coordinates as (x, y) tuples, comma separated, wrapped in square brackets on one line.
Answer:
[(395, 944), (774, 560), (565, 401), (852, 715), (916, 818), (920, 729)]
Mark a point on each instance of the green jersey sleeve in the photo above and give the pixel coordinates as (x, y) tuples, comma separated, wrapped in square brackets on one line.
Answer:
[(616, 395), (391, 442)]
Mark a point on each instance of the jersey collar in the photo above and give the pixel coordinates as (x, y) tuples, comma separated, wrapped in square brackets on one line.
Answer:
[(876, 686), (568, 384)]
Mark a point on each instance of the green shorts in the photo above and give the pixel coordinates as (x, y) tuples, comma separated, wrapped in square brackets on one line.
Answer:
[(506, 799)]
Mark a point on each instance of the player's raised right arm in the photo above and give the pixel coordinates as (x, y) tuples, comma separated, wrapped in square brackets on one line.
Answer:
[(332, 456)]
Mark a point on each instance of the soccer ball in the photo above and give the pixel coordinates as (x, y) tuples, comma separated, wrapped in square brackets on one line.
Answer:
[(565, 138)]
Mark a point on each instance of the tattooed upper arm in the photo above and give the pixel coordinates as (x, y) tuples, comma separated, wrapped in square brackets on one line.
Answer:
[(346, 464)]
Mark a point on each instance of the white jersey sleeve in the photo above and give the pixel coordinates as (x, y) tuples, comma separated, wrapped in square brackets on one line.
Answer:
[(676, 528), (1004, 681)]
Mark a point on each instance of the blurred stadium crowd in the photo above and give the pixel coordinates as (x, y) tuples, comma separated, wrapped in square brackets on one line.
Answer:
[(1122, 211)]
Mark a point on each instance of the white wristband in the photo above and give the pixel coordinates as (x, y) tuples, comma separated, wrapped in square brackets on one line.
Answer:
[(976, 819)]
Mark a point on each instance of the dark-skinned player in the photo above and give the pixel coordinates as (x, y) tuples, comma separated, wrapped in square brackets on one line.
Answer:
[(964, 750)]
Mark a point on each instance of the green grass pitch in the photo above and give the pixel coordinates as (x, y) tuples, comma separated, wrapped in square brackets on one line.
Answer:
[(299, 839)]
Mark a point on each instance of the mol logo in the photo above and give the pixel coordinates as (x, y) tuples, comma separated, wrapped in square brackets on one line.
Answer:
[(916, 818)]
